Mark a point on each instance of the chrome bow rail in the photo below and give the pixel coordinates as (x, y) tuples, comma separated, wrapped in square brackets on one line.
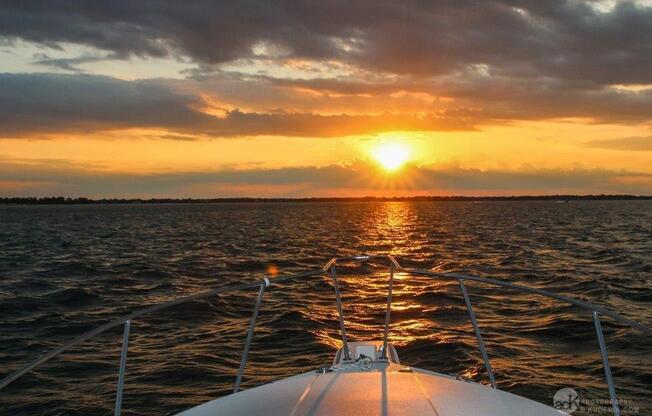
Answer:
[(330, 270)]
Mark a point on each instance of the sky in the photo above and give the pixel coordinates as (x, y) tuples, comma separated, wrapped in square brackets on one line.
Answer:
[(148, 99)]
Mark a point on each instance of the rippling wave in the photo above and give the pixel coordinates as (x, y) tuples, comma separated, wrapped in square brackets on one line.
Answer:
[(65, 270)]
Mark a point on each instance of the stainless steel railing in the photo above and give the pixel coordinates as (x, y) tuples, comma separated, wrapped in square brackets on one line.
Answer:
[(329, 270)]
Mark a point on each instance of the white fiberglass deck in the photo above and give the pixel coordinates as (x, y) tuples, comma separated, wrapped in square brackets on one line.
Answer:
[(395, 390), (379, 388)]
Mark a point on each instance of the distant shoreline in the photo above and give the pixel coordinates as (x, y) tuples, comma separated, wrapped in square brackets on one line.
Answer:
[(120, 201)]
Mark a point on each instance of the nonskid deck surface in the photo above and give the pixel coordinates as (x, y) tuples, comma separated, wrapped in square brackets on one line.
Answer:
[(384, 389)]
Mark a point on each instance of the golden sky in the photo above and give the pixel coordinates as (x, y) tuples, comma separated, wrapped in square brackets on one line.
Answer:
[(334, 99)]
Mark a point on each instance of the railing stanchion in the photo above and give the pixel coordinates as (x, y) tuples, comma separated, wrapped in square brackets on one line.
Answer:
[(388, 312), (478, 335), (605, 363), (123, 364), (250, 334), (338, 299)]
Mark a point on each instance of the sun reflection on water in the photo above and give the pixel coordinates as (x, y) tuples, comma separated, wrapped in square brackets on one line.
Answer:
[(430, 325), (388, 229)]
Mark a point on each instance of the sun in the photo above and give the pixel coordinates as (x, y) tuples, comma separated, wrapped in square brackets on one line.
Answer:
[(391, 156)]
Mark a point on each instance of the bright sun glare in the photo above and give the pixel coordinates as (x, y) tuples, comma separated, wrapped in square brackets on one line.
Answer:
[(391, 156)]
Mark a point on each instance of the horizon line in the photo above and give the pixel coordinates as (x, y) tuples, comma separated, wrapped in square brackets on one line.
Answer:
[(60, 200)]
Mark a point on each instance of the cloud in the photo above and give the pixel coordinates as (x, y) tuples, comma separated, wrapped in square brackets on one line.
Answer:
[(49, 105), (332, 68), (32, 104), (237, 123), (481, 100), (42, 178), (46, 103), (561, 39), (640, 143), (71, 64)]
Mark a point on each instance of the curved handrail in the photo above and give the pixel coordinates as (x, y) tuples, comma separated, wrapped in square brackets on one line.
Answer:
[(329, 268)]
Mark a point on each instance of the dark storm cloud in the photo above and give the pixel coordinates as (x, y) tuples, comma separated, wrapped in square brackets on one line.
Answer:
[(46, 103), (567, 40), (58, 178)]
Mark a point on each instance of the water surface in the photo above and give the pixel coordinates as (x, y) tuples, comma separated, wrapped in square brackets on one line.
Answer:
[(67, 269)]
